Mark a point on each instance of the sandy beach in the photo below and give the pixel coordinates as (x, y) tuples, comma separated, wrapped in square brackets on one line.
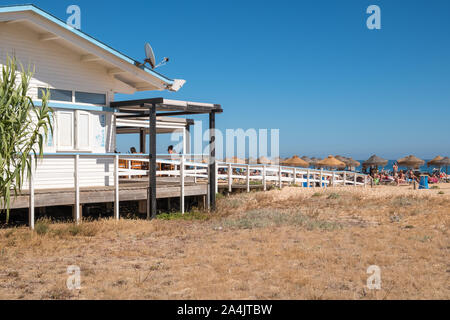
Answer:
[(293, 243)]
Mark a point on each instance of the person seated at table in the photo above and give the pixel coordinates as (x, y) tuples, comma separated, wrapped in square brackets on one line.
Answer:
[(133, 150), (170, 150)]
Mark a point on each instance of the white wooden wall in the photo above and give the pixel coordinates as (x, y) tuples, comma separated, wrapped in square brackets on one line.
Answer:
[(57, 172), (55, 65)]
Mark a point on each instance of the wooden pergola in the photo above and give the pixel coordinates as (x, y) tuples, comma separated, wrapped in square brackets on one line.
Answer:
[(154, 108)]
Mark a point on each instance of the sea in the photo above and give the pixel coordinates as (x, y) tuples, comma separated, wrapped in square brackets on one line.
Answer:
[(423, 169)]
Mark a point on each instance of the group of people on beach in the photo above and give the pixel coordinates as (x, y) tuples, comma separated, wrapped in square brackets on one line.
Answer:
[(403, 176)]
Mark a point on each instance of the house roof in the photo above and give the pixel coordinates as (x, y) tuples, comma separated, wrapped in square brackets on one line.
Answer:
[(119, 65)]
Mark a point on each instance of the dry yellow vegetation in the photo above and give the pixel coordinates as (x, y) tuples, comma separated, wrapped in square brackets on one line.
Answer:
[(290, 244)]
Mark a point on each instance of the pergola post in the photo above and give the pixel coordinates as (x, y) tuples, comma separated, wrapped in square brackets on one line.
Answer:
[(142, 142), (212, 160), (151, 197)]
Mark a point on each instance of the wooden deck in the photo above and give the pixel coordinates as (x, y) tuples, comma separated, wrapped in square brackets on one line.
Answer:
[(129, 190)]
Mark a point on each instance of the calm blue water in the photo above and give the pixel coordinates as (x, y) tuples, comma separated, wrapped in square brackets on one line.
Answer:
[(391, 163)]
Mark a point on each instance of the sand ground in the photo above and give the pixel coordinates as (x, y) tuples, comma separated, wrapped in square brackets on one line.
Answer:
[(290, 244)]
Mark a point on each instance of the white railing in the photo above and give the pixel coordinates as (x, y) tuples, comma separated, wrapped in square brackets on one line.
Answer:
[(91, 170)]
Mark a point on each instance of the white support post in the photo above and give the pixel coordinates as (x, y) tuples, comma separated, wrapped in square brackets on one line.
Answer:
[(280, 177), (333, 179), (230, 178), (217, 177), (248, 178), (31, 202), (264, 178), (129, 168), (321, 178), (314, 180), (182, 185), (77, 189), (308, 178), (295, 176), (345, 178), (355, 179), (116, 188), (195, 173)]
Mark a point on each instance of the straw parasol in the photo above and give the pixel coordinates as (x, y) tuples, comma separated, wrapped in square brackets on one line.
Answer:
[(331, 162), (375, 161), (411, 162), (435, 161), (351, 163), (235, 160), (306, 159), (444, 163), (314, 161), (263, 160), (277, 161), (252, 161), (295, 161)]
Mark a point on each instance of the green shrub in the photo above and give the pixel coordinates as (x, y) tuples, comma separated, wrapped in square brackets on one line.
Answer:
[(42, 227)]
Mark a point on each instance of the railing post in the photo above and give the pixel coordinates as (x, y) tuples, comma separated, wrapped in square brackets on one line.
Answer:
[(365, 181), (314, 180), (217, 177), (345, 178), (77, 189), (116, 188), (295, 176), (333, 179), (195, 172), (182, 184), (248, 178), (264, 178), (321, 178), (31, 199), (230, 178), (280, 177), (308, 178), (355, 179)]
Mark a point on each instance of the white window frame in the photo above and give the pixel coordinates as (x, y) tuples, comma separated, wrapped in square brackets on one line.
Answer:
[(75, 147)]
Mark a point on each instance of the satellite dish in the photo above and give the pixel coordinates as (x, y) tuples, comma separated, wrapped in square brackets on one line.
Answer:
[(150, 56)]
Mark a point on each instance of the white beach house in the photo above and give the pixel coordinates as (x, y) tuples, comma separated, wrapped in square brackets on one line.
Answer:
[(83, 75)]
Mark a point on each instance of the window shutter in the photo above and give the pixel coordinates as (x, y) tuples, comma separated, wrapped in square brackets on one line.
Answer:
[(83, 131), (65, 130)]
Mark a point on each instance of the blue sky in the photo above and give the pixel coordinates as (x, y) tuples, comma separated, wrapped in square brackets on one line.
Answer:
[(309, 68)]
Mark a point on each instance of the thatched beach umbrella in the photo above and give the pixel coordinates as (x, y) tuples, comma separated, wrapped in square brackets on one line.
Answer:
[(331, 162), (353, 164), (375, 161), (444, 163), (314, 161), (277, 161), (411, 162), (263, 160), (307, 159), (295, 161), (252, 161), (435, 161)]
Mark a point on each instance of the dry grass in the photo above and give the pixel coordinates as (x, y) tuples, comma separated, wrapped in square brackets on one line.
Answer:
[(289, 244)]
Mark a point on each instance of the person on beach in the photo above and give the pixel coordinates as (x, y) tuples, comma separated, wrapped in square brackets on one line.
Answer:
[(395, 169)]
